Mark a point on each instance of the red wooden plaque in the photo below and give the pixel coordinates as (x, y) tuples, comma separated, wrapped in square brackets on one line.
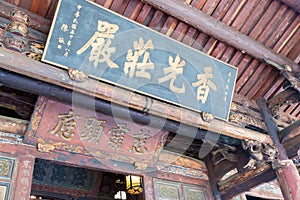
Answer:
[(65, 127)]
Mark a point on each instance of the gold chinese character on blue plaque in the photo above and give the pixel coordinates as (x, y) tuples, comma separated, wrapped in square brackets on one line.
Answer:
[(114, 49)]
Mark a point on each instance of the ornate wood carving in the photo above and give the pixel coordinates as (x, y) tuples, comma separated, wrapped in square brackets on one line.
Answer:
[(15, 36), (84, 131)]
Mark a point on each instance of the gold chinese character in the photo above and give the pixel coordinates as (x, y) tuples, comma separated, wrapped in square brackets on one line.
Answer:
[(92, 130), (26, 173), (25, 181), (72, 32), (69, 43), (79, 7), (65, 126), (24, 190), (66, 53), (100, 43), (26, 164), (204, 84), (172, 72), (74, 26), (133, 66), (75, 21), (64, 27), (61, 40), (59, 46), (77, 14), (117, 136), (140, 140)]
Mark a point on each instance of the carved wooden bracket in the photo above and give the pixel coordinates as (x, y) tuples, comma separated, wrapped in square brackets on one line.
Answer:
[(223, 152), (77, 75), (259, 153), (291, 93), (15, 36)]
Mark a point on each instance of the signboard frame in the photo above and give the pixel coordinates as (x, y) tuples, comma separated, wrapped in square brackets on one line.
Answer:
[(217, 102)]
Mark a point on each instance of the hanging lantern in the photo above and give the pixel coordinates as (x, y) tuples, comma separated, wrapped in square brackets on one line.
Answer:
[(134, 184)]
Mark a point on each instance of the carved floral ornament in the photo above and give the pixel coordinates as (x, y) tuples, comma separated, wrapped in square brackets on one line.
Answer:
[(15, 36)]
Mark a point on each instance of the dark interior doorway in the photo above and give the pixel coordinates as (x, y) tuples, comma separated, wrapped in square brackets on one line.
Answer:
[(56, 181)]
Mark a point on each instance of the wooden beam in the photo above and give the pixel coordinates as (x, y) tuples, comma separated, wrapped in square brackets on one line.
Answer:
[(14, 62), (293, 147), (287, 173), (213, 180), (219, 30), (12, 125), (294, 4), (290, 132), (244, 181)]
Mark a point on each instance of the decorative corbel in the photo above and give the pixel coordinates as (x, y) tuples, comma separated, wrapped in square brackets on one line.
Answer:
[(223, 152), (77, 75), (15, 36), (291, 87), (207, 117), (260, 153)]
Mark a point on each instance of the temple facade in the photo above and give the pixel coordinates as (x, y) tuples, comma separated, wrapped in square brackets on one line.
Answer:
[(149, 100)]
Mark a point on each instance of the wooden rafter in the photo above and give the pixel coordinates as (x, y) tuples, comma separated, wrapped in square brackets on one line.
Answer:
[(220, 31), (295, 4)]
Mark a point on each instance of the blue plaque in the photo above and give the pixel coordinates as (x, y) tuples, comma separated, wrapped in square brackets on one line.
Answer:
[(119, 51)]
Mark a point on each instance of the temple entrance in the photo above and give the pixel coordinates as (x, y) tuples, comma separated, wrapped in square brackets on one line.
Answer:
[(56, 181)]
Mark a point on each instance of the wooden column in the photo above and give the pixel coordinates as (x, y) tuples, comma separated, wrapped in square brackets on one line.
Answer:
[(148, 187), (213, 180), (287, 173), (24, 178)]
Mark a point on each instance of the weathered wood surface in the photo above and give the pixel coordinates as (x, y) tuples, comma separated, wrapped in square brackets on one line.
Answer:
[(12, 125), (243, 182), (287, 174), (24, 177), (269, 190), (36, 22), (40, 71), (293, 147), (245, 112), (180, 160), (213, 178), (220, 31), (295, 4), (290, 132), (32, 33), (69, 128)]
